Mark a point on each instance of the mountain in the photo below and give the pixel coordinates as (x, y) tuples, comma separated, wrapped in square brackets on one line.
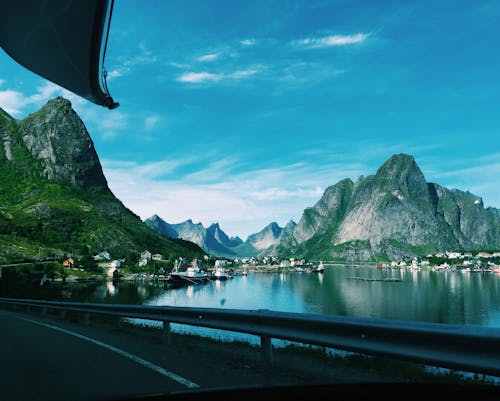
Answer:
[(216, 242), (265, 241), (212, 239), (392, 214), (214, 231), (54, 198)]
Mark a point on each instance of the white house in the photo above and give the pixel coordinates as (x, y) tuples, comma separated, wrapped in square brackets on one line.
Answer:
[(102, 256), (143, 262), (146, 255), (157, 256), (454, 255), (220, 263), (116, 263)]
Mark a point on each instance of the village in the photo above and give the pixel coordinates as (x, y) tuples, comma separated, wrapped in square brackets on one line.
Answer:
[(154, 265)]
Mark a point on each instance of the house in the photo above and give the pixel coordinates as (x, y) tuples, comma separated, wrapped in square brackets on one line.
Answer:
[(143, 262), (104, 255), (454, 255), (70, 263), (285, 263), (220, 263), (157, 256), (116, 263), (146, 255)]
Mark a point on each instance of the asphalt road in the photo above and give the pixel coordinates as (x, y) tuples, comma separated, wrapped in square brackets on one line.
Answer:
[(39, 361), (43, 358)]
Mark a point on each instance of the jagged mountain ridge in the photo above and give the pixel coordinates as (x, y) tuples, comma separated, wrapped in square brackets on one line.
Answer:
[(55, 197), (215, 241), (391, 214)]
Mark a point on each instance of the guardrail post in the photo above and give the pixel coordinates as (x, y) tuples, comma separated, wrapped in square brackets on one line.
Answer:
[(119, 324), (63, 315), (44, 311), (86, 319), (266, 351), (166, 333)]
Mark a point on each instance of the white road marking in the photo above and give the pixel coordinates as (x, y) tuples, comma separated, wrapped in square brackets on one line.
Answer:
[(143, 362)]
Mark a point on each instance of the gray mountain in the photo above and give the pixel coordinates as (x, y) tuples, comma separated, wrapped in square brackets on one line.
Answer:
[(221, 237), (216, 242), (264, 242), (392, 214), (212, 240), (161, 227)]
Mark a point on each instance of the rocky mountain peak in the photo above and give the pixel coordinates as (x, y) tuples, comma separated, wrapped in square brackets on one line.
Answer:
[(401, 175), (397, 165), (57, 137)]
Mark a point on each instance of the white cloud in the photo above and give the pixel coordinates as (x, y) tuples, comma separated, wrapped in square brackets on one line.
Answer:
[(247, 42), (199, 77), (331, 40), (243, 73), (151, 121), (208, 57), (12, 101), (202, 77), (110, 124), (242, 202), (114, 74), (2, 81)]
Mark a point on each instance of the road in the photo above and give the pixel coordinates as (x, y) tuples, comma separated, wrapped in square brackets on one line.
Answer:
[(43, 358)]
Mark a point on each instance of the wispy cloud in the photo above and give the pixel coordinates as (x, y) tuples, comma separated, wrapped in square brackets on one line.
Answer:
[(114, 74), (243, 73), (247, 42), (216, 170), (208, 57), (15, 102), (125, 65), (243, 202), (203, 77), (151, 121), (199, 77), (12, 101), (331, 41), (110, 125)]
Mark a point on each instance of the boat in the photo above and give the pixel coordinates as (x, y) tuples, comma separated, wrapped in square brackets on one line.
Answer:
[(191, 275), (306, 267), (320, 268), (221, 274)]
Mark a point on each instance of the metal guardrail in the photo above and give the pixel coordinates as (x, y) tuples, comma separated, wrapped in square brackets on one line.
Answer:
[(462, 347)]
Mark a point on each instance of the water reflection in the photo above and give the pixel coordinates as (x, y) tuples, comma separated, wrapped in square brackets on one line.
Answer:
[(443, 297), (112, 289)]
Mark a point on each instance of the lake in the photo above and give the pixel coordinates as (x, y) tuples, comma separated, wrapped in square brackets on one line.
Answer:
[(441, 297)]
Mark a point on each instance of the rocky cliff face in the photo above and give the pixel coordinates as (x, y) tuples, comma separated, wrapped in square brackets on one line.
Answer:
[(393, 213), (54, 196), (57, 137)]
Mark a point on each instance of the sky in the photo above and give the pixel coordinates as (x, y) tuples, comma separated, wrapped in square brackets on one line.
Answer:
[(243, 112)]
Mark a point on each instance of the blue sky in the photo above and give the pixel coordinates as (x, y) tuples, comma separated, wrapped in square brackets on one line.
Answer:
[(243, 112)]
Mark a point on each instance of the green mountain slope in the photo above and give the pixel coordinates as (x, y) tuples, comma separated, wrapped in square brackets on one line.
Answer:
[(54, 198)]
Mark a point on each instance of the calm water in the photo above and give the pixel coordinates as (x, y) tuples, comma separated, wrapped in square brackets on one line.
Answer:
[(442, 297)]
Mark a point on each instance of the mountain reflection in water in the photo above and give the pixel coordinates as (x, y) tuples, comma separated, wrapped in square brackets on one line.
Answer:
[(441, 297)]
